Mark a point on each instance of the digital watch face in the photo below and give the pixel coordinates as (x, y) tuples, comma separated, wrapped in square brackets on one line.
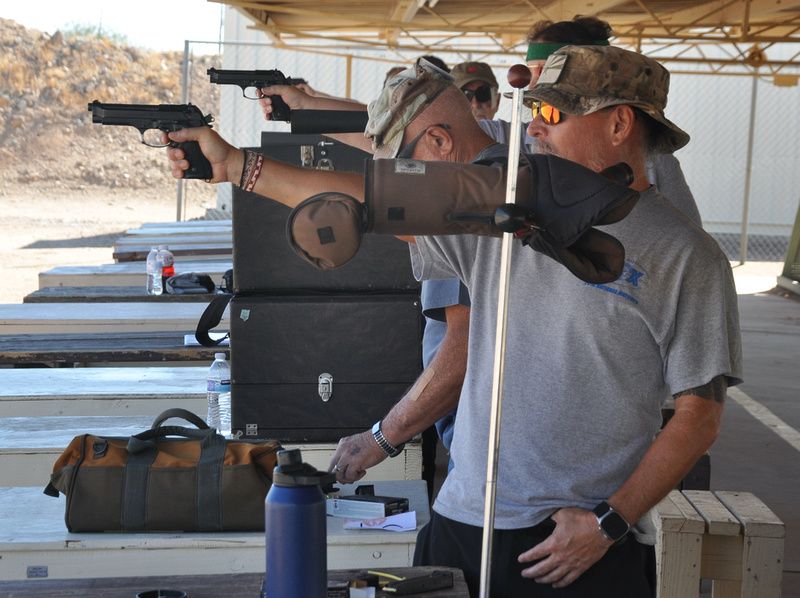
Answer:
[(614, 525)]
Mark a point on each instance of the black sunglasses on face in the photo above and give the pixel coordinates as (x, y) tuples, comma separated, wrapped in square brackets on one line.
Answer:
[(482, 93)]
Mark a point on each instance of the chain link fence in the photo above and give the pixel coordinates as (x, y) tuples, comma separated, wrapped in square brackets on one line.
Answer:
[(745, 176)]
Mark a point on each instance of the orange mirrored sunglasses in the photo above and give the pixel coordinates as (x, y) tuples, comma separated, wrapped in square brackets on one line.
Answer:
[(550, 115)]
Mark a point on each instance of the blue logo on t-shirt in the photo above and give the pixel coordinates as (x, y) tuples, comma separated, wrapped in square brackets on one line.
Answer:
[(633, 278)]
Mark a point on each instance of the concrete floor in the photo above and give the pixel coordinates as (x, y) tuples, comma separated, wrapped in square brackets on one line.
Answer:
[(758, 449)]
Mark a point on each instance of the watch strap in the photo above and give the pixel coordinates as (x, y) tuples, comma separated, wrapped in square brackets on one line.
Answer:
[(385, 445), (601, 509)]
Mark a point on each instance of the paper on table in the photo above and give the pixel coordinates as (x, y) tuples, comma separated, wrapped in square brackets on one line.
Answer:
[(189, 340), (403, 522)]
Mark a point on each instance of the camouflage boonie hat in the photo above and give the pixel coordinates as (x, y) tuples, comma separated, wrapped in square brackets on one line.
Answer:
[(401, 101), (584, 79)]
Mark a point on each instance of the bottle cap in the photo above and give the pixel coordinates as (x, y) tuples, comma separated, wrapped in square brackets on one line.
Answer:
[(163, 246), (291, 472), (219, 355)]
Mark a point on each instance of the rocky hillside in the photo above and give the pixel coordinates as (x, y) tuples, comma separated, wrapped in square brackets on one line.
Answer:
[(47, 137)]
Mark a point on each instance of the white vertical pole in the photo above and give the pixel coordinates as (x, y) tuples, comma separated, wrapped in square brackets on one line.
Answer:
[(748, 174), (499, 352)]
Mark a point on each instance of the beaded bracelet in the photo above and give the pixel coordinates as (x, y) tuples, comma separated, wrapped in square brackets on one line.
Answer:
[(251, 169)]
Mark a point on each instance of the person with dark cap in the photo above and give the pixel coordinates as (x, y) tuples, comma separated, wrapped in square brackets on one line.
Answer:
[(581, 459), (545, 37), (479, 84)]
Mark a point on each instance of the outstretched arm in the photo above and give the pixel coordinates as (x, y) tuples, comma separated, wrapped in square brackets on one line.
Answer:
[(282, 182), (577, 543), (297, 99), (434, 395)]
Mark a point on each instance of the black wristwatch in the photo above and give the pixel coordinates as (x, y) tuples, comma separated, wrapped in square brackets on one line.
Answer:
[(610, 522), (390, 450)]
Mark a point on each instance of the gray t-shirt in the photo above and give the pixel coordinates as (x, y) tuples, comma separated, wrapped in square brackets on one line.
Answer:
[(587, 367), (664, 171)]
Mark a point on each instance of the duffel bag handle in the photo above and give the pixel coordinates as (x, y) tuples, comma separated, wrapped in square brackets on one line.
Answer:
[(142, 441), (180, 414)]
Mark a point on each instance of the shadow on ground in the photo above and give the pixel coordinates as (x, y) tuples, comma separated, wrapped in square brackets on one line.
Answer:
[(106, 240)]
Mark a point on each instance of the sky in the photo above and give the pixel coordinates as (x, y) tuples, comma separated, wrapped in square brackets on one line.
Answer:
[(153, 24)]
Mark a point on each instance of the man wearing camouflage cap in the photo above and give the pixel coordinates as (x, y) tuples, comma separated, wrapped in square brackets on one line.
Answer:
[(587, 366)]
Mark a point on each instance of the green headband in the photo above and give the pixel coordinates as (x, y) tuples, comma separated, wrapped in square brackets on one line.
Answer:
[(542, 51)]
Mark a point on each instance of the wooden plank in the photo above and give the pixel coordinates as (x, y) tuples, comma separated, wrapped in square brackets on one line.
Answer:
[(180, 251), (232, 585), (155, 239), (718, 519), (29, 446), (125, 274), (34, 535), (755, 516), (763, 544), (101, 391), (98, 348), (110, 294), (186, 229), (64, 318), (188, 224), (678, 547)]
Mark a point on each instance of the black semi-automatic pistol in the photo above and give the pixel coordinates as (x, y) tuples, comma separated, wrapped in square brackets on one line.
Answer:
[(162, 117)]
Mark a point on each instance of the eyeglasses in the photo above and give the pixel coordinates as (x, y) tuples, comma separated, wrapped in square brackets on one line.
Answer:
[(482, 93), (550, 115), (408, 150)]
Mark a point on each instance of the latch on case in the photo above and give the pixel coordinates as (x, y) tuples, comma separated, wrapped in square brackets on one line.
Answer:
[(325, 386), (307, 156)]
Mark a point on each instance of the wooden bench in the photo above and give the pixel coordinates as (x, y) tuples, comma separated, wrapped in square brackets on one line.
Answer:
[(177, 229), (35, 543), (64, 318), (731, 538), (180, 251), (29, 446), (111, 295), (200, 585), (125, 274), (118, 391), (66, 350)]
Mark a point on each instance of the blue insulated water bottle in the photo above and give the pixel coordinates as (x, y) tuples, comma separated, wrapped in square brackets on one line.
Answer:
[(295, 528)]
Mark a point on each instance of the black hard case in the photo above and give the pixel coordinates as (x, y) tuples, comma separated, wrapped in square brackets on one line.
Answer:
[(370, 344), (263, 261), (291, 322)]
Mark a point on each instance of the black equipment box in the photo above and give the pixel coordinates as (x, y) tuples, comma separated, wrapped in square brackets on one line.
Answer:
[(319, 367), (263, 261)]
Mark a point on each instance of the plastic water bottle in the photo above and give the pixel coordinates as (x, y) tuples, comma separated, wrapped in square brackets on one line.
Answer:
[(296, 529), (218, 384), (167, 264), (154, 285)]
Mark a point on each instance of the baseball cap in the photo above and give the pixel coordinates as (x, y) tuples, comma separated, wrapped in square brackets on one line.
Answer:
[(584, 79), (467, 72), (401, 101)]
